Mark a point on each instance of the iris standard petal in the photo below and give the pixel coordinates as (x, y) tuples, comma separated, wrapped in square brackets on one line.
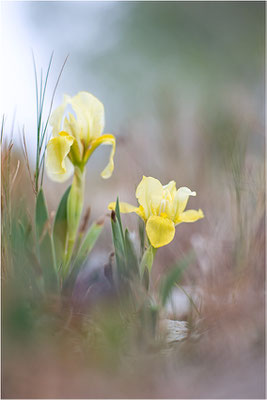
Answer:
[(125, 208), (190, 216), (106, 140), (149, 193), (58, 166), (90, 115), (62, 177), (171, 188), (70, 125), (160, 231)]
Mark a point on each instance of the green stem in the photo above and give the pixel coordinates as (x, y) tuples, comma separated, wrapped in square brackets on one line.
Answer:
[(74, 212)]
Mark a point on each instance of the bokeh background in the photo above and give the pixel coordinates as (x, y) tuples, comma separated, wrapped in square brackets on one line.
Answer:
[(183, 89), (182, 84)]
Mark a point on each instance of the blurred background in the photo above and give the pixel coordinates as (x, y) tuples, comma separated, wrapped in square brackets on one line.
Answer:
[(182, 82), (148, 62), (183, 88)]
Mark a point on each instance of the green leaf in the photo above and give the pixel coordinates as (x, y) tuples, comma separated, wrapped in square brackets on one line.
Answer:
[(45, 244), (147, 260), (173, 277), (131, 258), (85, 248), (154, 317), (19, 243), (60, 229), (118, 215), (118, 240), (88, 243), (41, 214)]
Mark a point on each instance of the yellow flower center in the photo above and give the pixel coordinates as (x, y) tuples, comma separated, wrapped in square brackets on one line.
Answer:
[(162, 206), (165, 204)]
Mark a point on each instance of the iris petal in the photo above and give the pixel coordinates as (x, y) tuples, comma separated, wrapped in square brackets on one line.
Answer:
[(90, 115), (149, 193), (160, 231), (57, 116), (190, 216), (106, 140), (59, 168), (171, 188), (71, 126), (125, 208)]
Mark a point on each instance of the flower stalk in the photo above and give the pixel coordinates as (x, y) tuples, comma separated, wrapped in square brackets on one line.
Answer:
[(74, 212)]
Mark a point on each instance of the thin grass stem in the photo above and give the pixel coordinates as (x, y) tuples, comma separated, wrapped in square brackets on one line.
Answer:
[(41, 140), (2, 128), (189, 298)]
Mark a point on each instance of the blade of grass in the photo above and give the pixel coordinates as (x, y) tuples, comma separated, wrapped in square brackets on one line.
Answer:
[(118, 240), (36, 86), (49, 113), (41, 140), (45, 244), (189, 298), (26, 157), (173, 276), (2, 127)]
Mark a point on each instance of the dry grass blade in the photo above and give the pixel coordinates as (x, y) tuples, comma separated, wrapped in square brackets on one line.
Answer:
[(26, 157), (15, 175), (2, 127)]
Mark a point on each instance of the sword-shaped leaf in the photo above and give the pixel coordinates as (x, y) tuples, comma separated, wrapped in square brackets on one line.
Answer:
[(45, 244), (60, 229), (85, 248), (118, 240)]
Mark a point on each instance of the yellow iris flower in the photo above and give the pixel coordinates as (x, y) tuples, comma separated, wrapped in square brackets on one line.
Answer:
[(161, 208), (76, 137)]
